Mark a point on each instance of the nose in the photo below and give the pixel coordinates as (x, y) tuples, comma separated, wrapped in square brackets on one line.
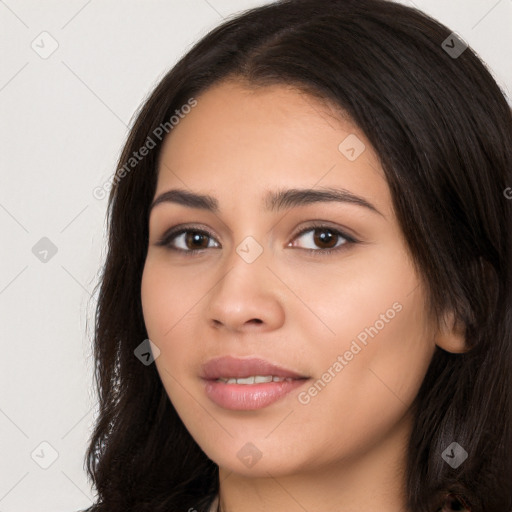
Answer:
[(246, 297)]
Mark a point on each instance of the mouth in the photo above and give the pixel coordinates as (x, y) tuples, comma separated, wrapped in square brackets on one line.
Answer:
[(229, 367), (247, 384), (254, 379)]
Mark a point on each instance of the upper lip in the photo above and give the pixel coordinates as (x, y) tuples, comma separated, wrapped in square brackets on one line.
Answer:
[(228, 366)]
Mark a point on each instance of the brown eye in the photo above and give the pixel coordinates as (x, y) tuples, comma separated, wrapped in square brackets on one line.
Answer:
[(196, 240), (187, 240), (323, 237)]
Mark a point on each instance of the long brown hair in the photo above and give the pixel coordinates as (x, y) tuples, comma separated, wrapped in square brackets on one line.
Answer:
[(443, 131)]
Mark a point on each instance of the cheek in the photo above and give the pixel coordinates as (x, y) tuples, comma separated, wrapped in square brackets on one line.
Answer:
[(372, 375), (372, 349), (168, 298), (403, 352), (171, 303), (165, 302)]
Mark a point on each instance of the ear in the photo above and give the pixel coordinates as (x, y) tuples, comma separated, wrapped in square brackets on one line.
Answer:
[(451, 335)]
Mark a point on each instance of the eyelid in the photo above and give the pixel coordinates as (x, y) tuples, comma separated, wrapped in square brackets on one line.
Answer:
[(318, 224)]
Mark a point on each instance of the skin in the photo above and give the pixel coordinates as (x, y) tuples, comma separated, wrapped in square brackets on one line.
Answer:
[(345, 449)]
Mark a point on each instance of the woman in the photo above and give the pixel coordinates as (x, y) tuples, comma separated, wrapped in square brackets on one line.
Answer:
[(373, 372)]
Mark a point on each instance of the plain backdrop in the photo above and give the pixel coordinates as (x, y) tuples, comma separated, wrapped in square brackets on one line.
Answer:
[(72, 74)]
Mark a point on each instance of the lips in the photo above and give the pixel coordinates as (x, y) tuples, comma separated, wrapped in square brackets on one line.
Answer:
[(247, 384), (244, 384), (235, 368)]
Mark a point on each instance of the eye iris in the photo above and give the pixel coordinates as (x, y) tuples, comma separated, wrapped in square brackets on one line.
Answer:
[(191, 237), (323, 238)]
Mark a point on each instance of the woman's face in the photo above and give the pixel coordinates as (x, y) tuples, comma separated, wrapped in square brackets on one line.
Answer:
[(350, 324)]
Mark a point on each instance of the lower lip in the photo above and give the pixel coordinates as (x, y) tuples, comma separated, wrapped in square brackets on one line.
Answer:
[(247, 397)]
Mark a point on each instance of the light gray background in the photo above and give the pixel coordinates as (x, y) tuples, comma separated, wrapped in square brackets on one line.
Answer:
[(64, 119)]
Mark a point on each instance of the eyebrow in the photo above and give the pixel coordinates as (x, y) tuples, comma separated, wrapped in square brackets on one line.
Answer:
[(273, 201)]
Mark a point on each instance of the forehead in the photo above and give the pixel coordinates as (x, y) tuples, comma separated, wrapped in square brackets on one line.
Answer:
[(256, 139)]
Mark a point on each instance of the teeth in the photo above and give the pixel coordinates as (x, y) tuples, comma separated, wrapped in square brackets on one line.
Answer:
[(258, 379), (254, 379), (247, 380)]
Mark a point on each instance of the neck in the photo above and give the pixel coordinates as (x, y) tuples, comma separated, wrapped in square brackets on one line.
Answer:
[(373, 480)]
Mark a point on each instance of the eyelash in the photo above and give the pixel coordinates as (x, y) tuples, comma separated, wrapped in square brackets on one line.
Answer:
[(170, 236)]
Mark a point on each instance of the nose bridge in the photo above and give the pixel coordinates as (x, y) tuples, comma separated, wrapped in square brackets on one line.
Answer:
[(251, 237), (245, 292), (246, 265), (251, 250)]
